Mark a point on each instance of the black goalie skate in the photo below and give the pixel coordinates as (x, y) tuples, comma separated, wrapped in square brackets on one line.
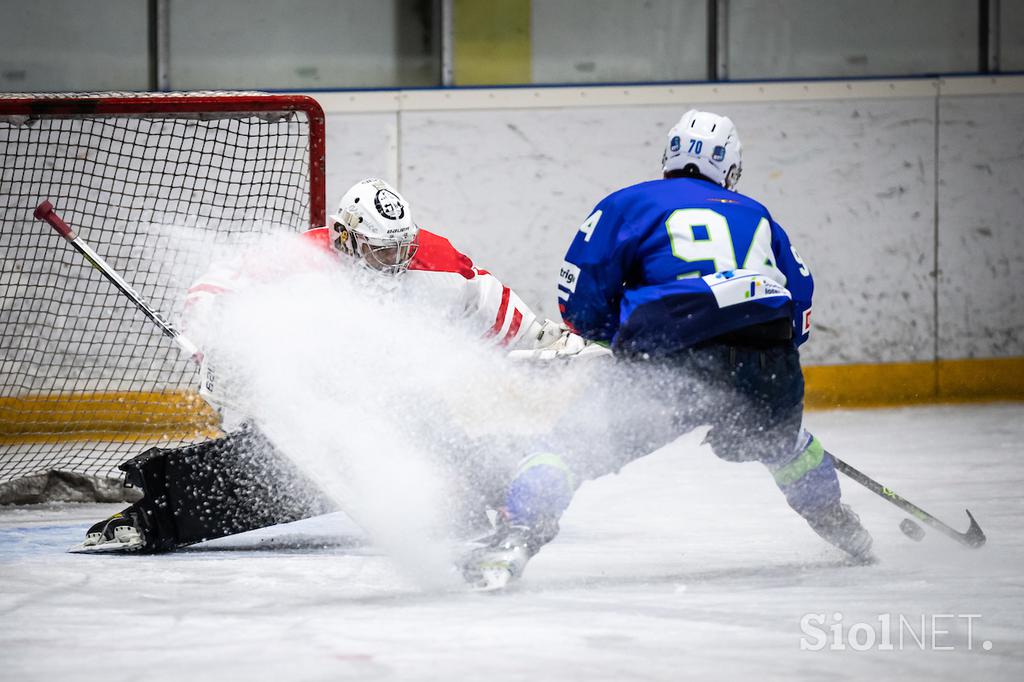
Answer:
[(122, 533)]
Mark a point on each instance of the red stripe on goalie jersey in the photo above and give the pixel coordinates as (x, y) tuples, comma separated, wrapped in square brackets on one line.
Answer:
[(499, 322), (195, 293), (206, 289), (517, 320)]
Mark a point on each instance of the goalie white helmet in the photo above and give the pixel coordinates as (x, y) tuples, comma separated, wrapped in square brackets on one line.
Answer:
[(707, 143), (374, 225)]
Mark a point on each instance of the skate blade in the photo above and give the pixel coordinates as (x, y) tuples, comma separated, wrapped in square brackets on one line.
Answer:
[(493, 579), (106, 548)]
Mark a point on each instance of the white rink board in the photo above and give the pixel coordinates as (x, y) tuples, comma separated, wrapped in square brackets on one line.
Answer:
[(680, 567), (359, 145), (848, 168), (517, 185), (981, 226)]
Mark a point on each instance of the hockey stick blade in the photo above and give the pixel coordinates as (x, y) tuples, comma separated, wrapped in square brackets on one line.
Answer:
[(974, 537)]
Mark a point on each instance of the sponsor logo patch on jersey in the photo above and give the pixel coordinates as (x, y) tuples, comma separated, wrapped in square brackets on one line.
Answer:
[(568, 275), (734, 287)]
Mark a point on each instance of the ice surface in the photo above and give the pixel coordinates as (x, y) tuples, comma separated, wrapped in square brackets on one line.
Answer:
[(680, 567)]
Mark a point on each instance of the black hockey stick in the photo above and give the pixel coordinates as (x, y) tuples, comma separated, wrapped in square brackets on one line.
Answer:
[(46, 213), (974, 537)]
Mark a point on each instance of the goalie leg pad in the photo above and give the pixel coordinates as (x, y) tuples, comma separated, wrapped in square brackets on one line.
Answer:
[(218, 488)]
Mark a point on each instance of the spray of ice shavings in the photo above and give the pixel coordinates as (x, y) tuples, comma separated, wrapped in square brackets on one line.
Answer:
[(409, 422), (323, 385), (371, 397), (187, 247)]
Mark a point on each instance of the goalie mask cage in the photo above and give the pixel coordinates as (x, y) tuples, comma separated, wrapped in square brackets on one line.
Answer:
[(149, 181)]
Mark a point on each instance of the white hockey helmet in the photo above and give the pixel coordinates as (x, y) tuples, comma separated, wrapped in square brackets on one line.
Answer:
[(374, 225), (707, 142)]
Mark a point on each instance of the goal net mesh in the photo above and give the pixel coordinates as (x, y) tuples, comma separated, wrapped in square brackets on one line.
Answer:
[(86, 381)]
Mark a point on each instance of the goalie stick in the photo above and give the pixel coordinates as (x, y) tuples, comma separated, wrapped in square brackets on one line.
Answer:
[(46, 213), (974, 537)]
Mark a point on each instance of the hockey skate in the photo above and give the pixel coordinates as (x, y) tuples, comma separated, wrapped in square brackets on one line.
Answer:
[(840, 526), (121, 533), (499, 559)]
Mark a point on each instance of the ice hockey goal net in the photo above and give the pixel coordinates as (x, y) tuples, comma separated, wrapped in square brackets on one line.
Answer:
[(85, 380)]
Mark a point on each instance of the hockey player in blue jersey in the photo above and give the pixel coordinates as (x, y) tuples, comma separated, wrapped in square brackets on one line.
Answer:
[(686, 277)]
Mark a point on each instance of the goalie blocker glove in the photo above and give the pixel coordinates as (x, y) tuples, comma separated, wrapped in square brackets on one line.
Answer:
[(550, 340)]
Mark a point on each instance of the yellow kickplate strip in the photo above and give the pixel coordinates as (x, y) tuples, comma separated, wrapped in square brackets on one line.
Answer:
[(994, 378), (105, 416), (492, 42), (180, 415), (909, 383)]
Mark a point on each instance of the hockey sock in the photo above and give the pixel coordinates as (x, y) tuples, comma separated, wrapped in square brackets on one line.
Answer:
[(808, 479), (540, 491)]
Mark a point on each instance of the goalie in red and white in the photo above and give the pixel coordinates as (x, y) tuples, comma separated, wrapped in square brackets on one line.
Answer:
[(374, 228), (231, 485)]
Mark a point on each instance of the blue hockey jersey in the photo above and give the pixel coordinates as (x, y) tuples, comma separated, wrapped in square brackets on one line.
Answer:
[(666, 264)]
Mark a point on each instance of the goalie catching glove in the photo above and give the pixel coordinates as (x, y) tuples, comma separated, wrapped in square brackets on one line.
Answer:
[(552, 341)]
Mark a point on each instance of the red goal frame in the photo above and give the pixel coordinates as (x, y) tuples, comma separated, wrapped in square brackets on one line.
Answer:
[(79, 426), (190, 105)]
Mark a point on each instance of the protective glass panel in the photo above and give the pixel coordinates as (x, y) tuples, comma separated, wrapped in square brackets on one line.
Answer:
[(302, 44), (810, 38), (606, 41), (64, 45), (1011, 35)]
